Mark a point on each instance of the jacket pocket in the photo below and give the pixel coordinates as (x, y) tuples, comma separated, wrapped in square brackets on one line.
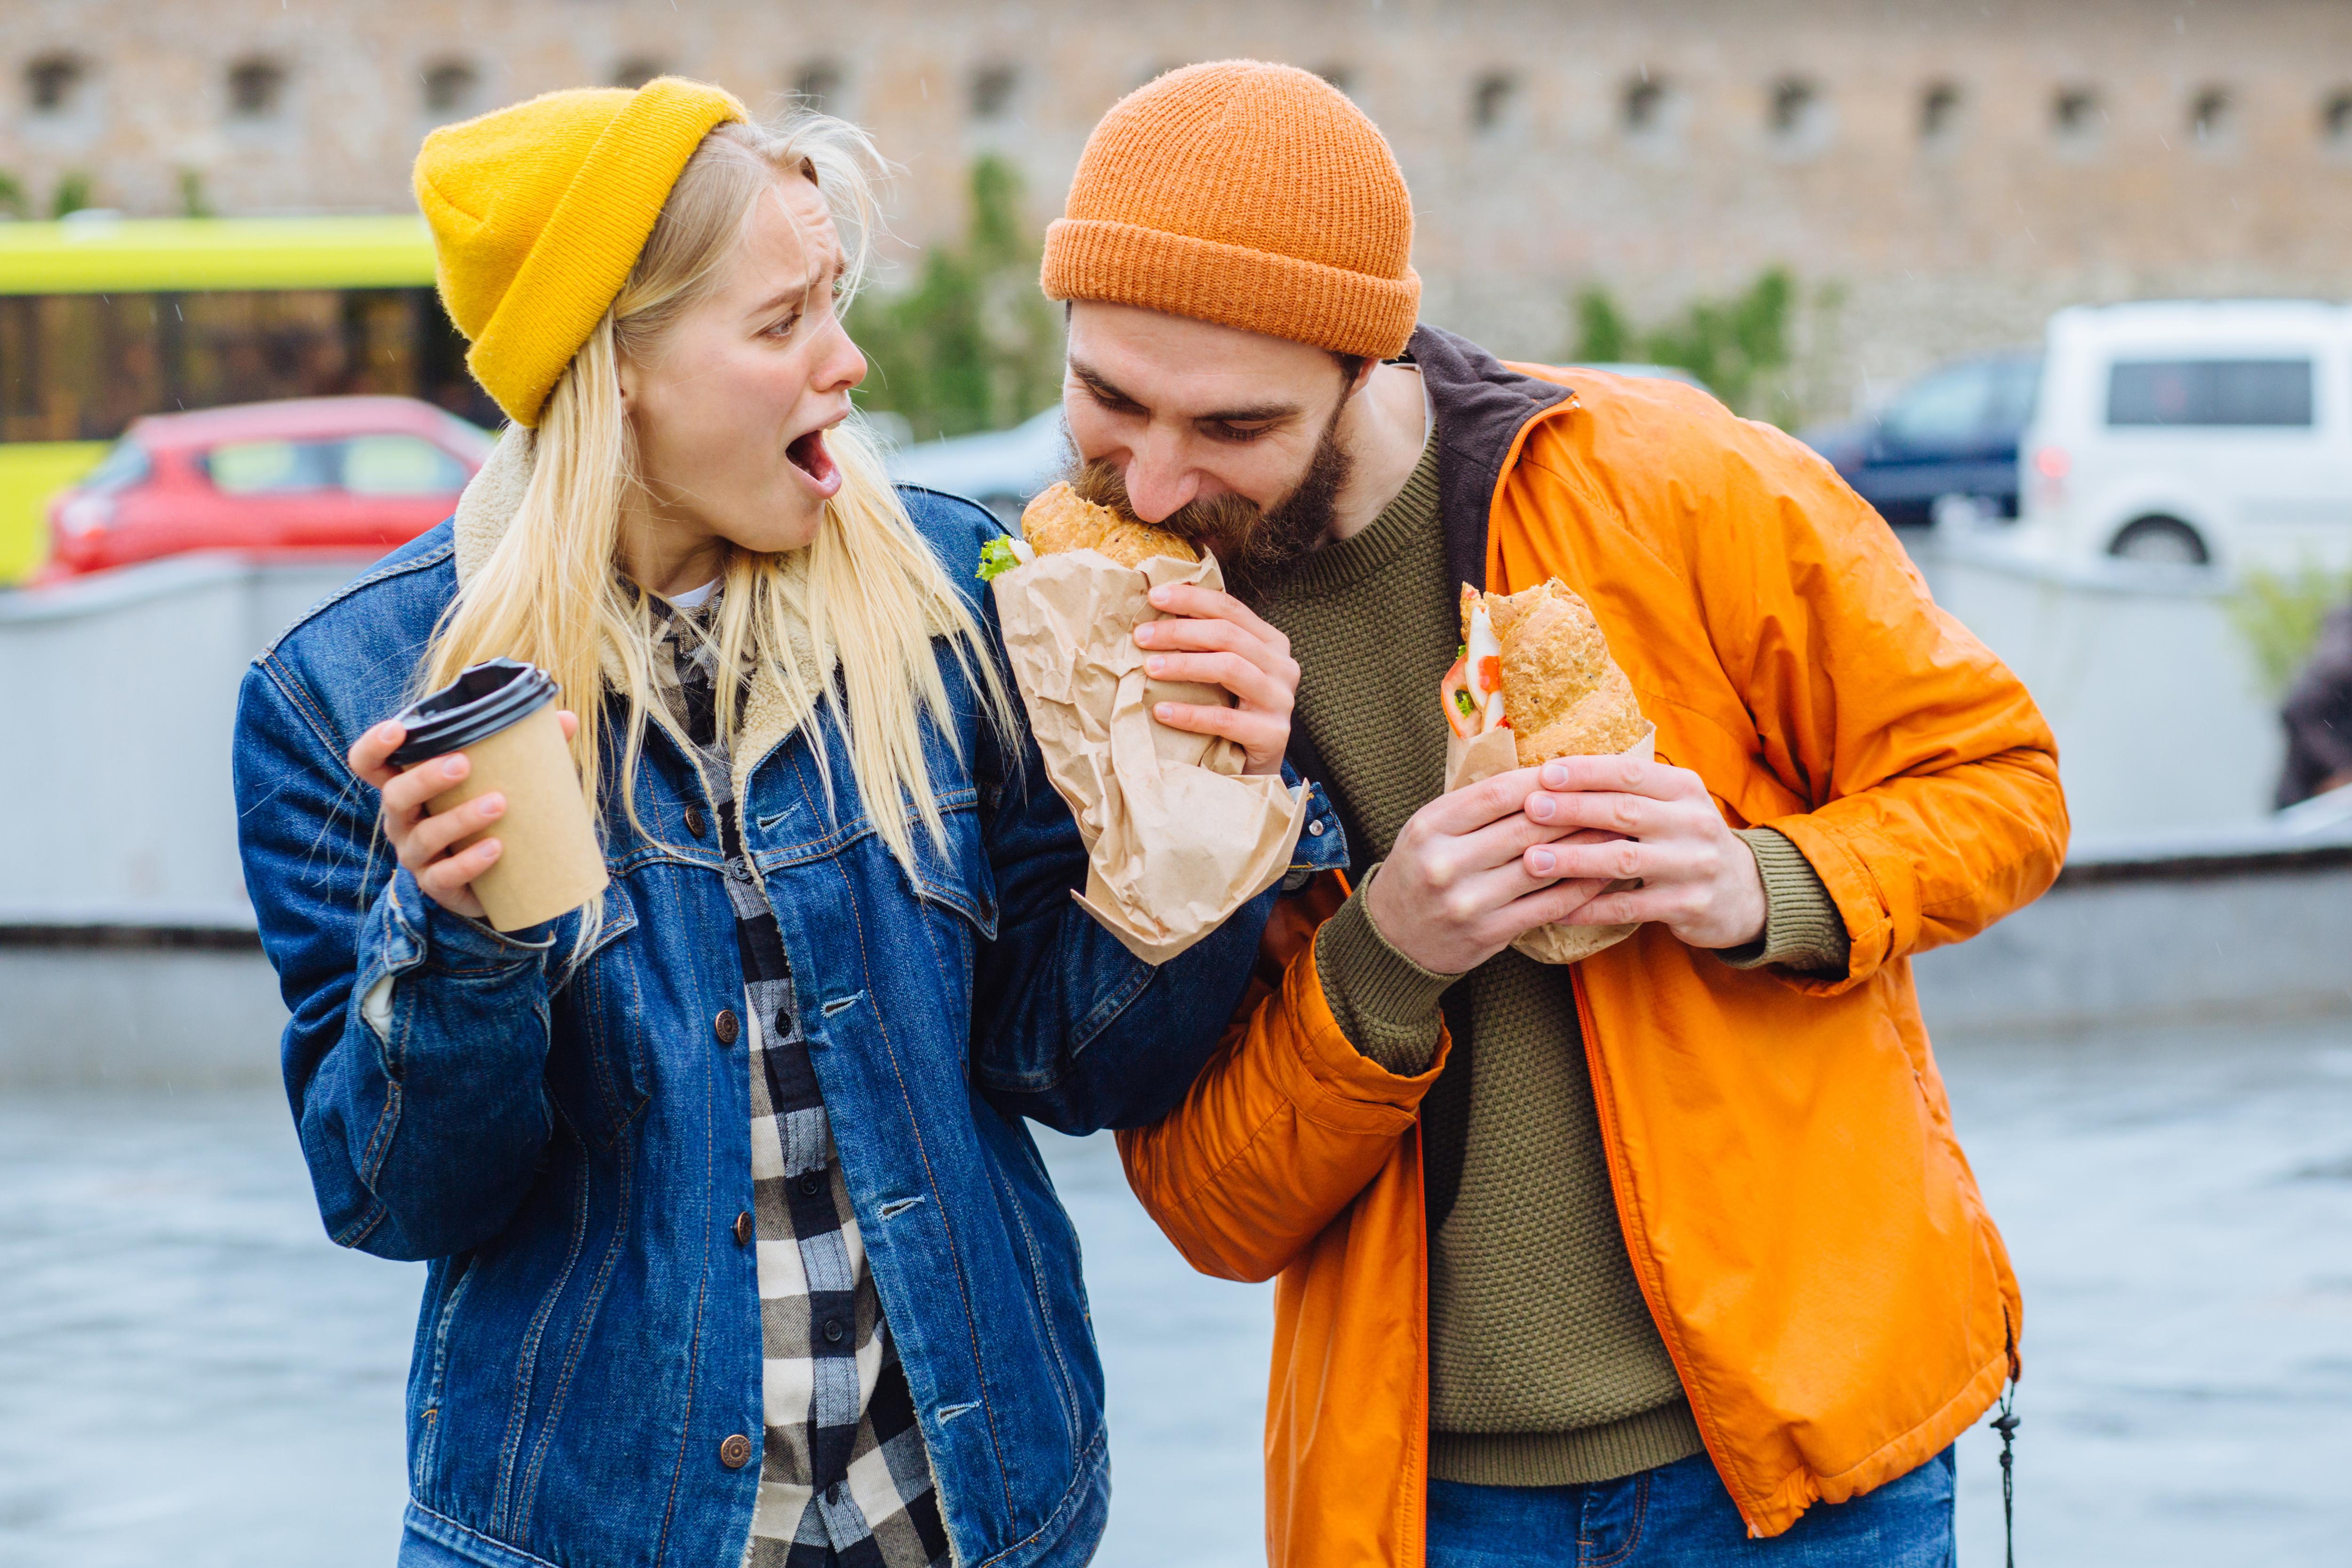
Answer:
[(955, 874), (596, 1071), (449, 1278)]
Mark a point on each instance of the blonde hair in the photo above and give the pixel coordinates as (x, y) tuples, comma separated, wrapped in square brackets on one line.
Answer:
[(867, 596)]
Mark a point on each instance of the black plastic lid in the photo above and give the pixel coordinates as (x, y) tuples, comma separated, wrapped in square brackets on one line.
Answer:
[(484, 699)]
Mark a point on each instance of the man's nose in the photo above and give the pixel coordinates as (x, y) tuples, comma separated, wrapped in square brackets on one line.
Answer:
[(1157, 483)]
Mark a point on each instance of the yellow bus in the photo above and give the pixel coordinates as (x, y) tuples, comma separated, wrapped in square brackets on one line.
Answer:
[(103, 320)]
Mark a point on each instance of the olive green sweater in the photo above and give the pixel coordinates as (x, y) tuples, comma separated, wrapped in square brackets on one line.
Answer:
[(1544, 1367)]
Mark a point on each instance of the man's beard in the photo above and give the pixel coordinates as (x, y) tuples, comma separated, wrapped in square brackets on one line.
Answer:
[(1255, 546)]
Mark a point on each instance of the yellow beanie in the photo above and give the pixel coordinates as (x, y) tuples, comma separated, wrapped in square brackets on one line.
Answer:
[(1250, 194), (539, 210)]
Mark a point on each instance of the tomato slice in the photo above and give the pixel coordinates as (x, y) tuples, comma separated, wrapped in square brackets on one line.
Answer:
[(1463, 710)]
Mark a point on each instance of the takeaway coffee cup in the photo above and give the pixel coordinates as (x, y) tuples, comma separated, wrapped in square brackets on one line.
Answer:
[(502, 714)]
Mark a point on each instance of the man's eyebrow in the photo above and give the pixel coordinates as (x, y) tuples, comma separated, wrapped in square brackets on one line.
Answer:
[(1248, 413)]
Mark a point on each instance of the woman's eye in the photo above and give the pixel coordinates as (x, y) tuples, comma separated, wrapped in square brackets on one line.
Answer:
[(783, 328)]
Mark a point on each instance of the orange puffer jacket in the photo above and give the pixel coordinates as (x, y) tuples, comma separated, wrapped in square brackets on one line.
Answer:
[(1799, 1213)]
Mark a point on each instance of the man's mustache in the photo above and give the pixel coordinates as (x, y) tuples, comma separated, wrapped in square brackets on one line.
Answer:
[(1223, 523)]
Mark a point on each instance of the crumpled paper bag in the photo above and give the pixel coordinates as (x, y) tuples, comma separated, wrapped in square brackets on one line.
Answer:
[(1177, 839), (1496, 751)]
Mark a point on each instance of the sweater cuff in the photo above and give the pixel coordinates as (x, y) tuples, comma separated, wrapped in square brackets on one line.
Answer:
[(1383, 1002), (1803, 929)]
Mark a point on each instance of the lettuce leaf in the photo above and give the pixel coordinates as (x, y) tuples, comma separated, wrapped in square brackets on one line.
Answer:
[(997, 559)]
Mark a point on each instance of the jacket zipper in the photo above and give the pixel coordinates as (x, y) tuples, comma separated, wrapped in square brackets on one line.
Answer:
[(1637, 1246)]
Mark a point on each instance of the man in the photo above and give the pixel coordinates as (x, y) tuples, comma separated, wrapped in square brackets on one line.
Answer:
[(1634, 1261)]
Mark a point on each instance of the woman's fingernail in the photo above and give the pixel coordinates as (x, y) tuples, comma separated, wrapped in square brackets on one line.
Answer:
[(454, 769), (1162, 595), (1555, 776), (1164, 712), (1540, 808), (1154, 665), (494, 805), (1543, 861), (492, 849)]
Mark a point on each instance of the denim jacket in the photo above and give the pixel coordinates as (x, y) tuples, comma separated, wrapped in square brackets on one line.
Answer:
[(564, 1135)]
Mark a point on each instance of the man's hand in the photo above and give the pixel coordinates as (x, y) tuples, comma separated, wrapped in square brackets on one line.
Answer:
[(1459, 883), (1658, 825), (1214, 639)]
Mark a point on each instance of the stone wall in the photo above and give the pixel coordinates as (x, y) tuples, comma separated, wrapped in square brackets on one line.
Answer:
[(1957, 170)]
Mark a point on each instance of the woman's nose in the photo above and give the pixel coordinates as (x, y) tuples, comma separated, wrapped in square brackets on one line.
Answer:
[(841, 363)]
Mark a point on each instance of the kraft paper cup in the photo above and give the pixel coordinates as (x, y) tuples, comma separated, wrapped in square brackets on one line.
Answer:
[(501, 715)]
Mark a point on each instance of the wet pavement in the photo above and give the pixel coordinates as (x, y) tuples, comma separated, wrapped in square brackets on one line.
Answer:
[(190, 1374)]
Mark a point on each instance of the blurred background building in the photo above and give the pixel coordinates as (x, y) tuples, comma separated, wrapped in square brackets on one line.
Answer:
[(1934, 177)]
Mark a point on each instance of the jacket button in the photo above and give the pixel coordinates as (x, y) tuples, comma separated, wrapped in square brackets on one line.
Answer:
[(1314, 830), (833, 1331), (735, 1451), (726, 1027), (809, 1184), (743, 1229), (694, 823)]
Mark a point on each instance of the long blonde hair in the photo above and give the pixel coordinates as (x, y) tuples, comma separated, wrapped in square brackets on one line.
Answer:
[(866, 597)]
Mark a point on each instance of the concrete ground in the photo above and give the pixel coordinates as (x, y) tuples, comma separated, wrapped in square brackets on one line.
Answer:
[(190, 1374)]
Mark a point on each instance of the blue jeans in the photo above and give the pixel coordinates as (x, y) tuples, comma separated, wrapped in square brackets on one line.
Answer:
[(1679, 1516)]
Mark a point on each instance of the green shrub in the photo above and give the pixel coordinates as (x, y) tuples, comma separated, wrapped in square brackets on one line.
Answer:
[(13, 200), (973, 345), (193, 201), (1739, 347), (2279, 616), (71, 195)]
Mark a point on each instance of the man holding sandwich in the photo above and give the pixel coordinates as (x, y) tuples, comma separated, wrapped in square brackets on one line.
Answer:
[(1668, 1255)]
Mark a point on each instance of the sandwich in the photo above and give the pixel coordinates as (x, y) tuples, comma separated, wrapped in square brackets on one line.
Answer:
[(1058, 519), (1536, 663)]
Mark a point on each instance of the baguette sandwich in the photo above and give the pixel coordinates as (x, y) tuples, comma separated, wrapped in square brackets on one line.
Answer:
[(1058, 519), (1536, 663)]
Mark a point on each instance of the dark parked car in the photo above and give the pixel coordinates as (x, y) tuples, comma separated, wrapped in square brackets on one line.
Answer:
[(1953, 431)]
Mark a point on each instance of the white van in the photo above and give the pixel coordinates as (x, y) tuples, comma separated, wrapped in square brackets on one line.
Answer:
[(2196, 432)]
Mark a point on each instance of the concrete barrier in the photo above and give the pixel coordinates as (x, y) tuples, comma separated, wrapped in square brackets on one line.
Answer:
[(2256, 925), (2160, 719), (117, 697)]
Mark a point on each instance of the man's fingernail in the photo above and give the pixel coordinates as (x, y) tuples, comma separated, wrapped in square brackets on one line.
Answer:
[(494, 805), (453, 768), (492, 849), (1162, 595), (1555, 776), (1540, 808), (1542, 859), (1164, 712), (1152, 666)]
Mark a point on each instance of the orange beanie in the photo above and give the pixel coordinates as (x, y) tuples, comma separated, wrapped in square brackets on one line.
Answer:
[(1249, 194)]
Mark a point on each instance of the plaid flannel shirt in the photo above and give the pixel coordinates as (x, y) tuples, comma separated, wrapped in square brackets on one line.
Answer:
[(843, 1476)]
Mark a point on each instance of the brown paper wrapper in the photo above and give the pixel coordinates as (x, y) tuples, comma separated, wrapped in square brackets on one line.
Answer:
[(1496, 751), (1177, 839), (550, 863)]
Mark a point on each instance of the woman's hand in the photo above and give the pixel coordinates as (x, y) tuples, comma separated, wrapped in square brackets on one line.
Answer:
[(1217, 639), (422, 842)]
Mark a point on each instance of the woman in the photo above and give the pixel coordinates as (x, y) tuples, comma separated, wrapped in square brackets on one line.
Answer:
[(739, 1250)]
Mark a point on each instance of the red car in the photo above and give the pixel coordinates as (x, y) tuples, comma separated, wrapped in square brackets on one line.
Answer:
[(352, 475)]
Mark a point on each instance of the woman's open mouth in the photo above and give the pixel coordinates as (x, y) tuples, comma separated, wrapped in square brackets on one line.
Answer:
[(809, 456)]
